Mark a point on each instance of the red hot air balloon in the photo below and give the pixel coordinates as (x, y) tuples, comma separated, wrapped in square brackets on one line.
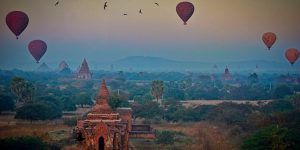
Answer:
[(17, 21), (292, 55), (37, 49), (185, 10), (269, 39)]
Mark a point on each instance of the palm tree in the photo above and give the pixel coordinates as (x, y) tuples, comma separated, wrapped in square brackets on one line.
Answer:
[(157, 89)]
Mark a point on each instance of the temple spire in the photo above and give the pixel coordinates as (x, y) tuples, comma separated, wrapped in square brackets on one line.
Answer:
[(103, 94), (102, 105)]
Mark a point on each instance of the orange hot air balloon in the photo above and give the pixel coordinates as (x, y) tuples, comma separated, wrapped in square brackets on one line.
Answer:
[(269, 39), (292, 55)]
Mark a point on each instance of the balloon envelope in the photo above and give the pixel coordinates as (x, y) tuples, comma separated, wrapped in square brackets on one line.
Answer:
[(17, 21), (185, 10), (269, 39), (37, 49), (292, 55)]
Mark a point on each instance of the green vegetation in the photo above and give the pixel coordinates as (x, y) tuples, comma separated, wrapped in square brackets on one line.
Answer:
[(24, 143), (118, 100), (6, 103), (165, 137), (45, 96), (39, 111), (23, 89), (157, 89), (273, 138)]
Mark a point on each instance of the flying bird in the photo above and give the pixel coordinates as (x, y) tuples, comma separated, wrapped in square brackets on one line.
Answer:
[(56, 3), (156, 4), (105, 5), (140, 11)]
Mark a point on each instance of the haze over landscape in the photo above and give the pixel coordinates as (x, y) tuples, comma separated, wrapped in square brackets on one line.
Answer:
[(219, 31)]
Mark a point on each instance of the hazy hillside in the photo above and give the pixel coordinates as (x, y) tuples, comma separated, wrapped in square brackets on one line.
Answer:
[(144, 63)]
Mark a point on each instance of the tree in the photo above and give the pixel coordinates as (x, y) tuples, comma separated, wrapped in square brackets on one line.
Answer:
[(296, 100), (17, 87), (83, 98), (174, 93), (165, 137), (149, 110), (42, 110), (253, 78), (231, 114), (118, 99), (28, 92), (51, 99), (6, 103), (23, 89), (67, 103), (281, 91), (278, 106), (273, 138), (157, 89)]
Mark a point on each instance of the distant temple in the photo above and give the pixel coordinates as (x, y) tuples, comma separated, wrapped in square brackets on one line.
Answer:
[(226, 75), (84, 71), (63, 67), (105, 129), (43, 68)]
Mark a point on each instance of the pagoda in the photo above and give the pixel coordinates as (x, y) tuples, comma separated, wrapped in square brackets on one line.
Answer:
[(43, 68), (84, 71), (226, 75), (64, 68), (104, 129)]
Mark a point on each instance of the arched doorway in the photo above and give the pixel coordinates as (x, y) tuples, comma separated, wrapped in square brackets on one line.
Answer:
[(101, 143)]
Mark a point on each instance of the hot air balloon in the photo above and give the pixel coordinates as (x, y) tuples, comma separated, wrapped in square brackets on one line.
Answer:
[(269, 39), (17, 21), (292, 55), (37, 49), (185, 10)]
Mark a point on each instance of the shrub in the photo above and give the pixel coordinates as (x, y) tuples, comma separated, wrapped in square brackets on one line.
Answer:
[(24, 143), (165, 137)]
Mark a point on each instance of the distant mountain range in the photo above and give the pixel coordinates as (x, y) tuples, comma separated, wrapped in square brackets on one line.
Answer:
[(146, 63), (158, 64)]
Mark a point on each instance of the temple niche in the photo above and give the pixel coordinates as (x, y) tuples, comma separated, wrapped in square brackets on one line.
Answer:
[(105, 129)]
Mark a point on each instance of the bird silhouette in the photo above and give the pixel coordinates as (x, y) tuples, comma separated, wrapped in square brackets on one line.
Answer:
[(140, 11), (105, 5), (56, 3), (156, 4)]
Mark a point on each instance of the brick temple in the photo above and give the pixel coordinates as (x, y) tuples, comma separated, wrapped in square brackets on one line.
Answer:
[(105, 129), (84, 71)]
